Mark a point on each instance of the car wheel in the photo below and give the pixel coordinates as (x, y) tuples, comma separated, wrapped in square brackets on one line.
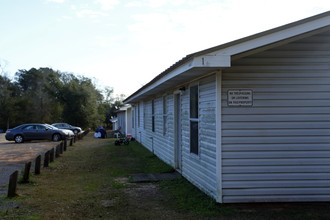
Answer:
[(56, 137), (75, 131), (19, 139)]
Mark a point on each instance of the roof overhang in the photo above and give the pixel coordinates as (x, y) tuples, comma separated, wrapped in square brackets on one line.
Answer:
[(219, 57), (123, 108), (196, 67)]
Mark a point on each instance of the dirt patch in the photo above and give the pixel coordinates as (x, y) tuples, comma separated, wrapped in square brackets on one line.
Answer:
[(147, 197)]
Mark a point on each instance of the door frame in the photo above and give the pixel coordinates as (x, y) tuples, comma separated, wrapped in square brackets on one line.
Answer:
[(177, 131)]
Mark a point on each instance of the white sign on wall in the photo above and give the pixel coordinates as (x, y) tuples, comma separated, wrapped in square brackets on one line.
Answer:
[(240, 97)]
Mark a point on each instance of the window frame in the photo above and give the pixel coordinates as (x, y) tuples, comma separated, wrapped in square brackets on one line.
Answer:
[(138, 112), (153, 115), (144, 115), (133, 116), (194, 120), (165, 112)]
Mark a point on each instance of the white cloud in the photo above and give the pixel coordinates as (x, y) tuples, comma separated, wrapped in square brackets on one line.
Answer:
[(108, 4), (155, 3), (91, 13), (57, 1), (134, 4), (106, 41)]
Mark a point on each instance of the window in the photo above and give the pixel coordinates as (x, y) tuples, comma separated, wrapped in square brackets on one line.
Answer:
[(133, 119), (194, 148), (138, 110), (153, 115), (144, 116), (40, 127), (164, 115), (30, 127)]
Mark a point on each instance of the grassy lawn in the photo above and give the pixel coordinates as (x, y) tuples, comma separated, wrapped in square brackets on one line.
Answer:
[(91, 181)]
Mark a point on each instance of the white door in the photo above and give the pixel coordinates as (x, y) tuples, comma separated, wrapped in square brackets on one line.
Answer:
[(177, 130)]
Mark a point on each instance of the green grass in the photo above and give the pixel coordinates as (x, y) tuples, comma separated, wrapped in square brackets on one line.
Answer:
[(91, 181), (188, 197), (85, 179), (134, 158)]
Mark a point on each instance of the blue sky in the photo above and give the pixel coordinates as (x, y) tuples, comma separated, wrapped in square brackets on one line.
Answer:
[(124, 44)]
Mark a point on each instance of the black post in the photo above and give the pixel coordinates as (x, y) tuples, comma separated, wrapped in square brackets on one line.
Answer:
[(46, 160), (71, 141), (12, 184), (51, 155), (37, 165), (57, 151), (61, 147), (65, 143), (26, 174)]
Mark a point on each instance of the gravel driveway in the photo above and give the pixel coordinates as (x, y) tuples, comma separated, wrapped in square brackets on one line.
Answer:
[(14, 156)]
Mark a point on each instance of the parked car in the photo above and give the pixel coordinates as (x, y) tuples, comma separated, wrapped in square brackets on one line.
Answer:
[(27, 132), (67, 132), (75, 130)]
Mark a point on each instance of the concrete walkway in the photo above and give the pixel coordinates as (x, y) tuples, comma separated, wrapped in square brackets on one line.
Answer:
[(154, 177)]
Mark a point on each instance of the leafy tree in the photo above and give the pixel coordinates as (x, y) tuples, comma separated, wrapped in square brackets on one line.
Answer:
[(80, 99), (47, 96), (40, 105), (7, 102)]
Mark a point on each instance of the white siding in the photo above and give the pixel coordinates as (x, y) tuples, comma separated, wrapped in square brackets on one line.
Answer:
[(129, 119), (139, 122), (121, 116), (162, 145), (201, 169), (279, 149)]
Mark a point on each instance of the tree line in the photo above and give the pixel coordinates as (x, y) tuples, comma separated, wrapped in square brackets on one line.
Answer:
[(47, 96)]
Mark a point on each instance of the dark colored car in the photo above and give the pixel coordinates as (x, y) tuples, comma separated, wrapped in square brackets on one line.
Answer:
[(28, 132), (75, 130)]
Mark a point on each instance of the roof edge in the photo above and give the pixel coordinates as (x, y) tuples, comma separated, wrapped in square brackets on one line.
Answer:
[(190, 57)]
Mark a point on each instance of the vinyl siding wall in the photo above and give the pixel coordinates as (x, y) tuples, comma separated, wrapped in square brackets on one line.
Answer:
[(199, 169), (161, 144), (279, 149), (121, 116)]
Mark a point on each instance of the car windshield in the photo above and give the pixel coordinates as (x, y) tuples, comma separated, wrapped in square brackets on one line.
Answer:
[(50, 126)]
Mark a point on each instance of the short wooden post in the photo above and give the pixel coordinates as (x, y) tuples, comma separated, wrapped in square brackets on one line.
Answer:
[(61, 147), (26, 174), (64, 144), (12, 184), (37, 165), (71, 141), (57, 151), (75, 139), (51, 155), (46, 159)]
